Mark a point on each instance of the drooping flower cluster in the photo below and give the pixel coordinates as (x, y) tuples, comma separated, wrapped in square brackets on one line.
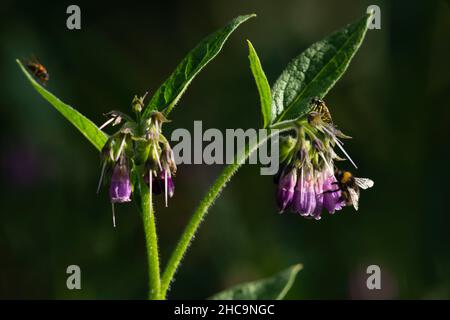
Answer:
[(307, 180), (308, 191), (137, 152), (160, 165)]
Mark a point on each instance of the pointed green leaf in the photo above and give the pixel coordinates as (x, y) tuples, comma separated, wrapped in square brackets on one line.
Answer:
[(315, 71), (262, 84), (173, 88), (274, 288), (96, 136)]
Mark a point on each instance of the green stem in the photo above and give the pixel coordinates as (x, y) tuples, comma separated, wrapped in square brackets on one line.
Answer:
[(151, 239), (200, 213), (290, 124)]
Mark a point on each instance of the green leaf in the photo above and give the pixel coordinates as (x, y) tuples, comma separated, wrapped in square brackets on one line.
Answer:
[(274, 288), (262, 84), (96, 136), (173, 88), (315, 71)]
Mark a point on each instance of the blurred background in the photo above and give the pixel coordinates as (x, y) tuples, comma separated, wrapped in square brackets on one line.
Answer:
[(393, 100)]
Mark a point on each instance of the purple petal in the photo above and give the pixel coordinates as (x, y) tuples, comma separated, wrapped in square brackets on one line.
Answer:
[(332, 195), (170, 185)]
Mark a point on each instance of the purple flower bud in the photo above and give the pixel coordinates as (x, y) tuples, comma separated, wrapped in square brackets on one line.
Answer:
[(304, 201), (170, 185), (169, 160), (332, 197), (159, 183), (318, 145), (120, 187), (285, 192)]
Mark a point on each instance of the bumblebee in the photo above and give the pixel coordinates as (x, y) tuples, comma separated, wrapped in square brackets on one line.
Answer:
[(319, 106), (38, 70), (350, 186)]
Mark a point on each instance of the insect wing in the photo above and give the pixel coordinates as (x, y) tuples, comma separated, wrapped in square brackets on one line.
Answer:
[(354, 196), (364, 183)]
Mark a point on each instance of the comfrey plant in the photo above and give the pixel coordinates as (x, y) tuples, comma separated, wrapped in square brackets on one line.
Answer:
[(140, 146), (138, 162), (307, 181)]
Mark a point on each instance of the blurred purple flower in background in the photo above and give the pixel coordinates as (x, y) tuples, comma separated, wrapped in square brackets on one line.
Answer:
[(22, 165)]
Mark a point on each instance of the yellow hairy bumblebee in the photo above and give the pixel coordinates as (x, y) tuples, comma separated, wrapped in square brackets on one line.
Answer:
[(349, 186)]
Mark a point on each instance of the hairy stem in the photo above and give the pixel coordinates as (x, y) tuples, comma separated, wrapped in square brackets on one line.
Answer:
[(200, 213), (148, 218)]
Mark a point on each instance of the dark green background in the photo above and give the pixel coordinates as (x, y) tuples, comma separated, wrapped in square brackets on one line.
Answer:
[(393, 100)]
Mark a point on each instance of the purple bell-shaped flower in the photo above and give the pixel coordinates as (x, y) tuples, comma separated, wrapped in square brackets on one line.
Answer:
[(286, 185), (304, 201), (120, 185)]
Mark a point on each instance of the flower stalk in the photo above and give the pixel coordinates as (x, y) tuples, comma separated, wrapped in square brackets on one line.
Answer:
[(151, 240)]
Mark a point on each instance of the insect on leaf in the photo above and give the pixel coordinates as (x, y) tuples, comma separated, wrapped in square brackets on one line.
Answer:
[(315, 71), (173, 88), (262, 84), (273, 288), (96, 136)]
